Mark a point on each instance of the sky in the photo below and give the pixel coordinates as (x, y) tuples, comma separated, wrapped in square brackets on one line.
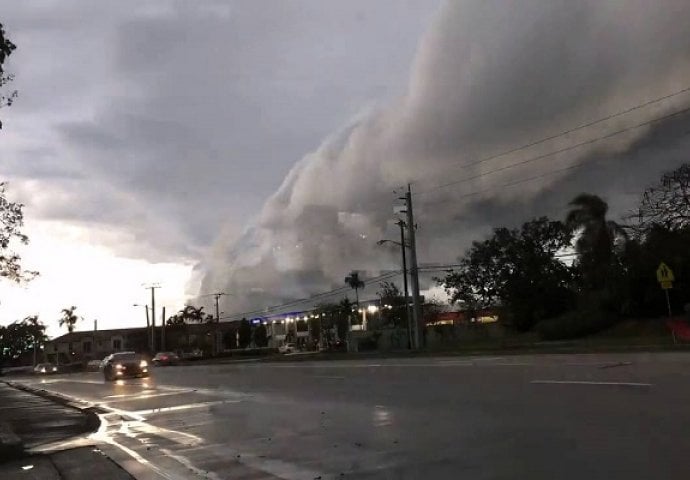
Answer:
[(144, 129), (258, 147)]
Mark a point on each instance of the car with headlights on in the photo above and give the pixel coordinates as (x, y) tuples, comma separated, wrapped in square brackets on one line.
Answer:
[(124, 365), (45, 369)]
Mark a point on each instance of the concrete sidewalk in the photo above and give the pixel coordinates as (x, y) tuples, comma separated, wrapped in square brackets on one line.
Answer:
[(76, 464), (36, 421), (30, 423)]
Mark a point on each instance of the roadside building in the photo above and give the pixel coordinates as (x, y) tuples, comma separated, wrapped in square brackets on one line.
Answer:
[(94, 345), (83, 346)]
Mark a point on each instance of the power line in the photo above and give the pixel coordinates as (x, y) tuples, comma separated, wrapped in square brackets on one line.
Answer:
[(318, 296), (507, 185), (561, 150), (571, 130)]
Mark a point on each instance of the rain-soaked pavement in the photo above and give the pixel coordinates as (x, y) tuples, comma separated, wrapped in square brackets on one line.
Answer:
[(538, 417)]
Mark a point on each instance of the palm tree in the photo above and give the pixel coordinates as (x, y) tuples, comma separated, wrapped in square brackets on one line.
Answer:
[(597, 236), (69, 318), (192, 314), (355, 283)]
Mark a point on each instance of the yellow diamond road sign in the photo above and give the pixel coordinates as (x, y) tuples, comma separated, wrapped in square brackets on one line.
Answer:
[(665, 275)]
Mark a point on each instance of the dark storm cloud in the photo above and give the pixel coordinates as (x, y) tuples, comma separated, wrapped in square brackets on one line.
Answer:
[(180, 117), (488, 75)]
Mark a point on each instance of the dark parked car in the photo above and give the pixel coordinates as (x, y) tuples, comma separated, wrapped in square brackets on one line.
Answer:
[(93, 365), (195, 354), (124, 365), (165, 358)]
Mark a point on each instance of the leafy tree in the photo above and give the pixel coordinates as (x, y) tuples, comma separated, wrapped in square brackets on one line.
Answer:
[(666, 204), (261, 336), (517, 269), (330, 315), (245, 333), (11, 215), (11, 222), (69, 318), (6, 49), (21, 337), (596, 239), (391, 296)]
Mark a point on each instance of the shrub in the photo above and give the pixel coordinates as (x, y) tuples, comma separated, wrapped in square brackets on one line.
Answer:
[(576, 323)]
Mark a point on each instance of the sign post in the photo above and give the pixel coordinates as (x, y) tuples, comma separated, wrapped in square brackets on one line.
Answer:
[(665, 276)]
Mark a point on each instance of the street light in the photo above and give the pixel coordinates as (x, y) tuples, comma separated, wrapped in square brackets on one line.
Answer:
[(403, 246), (148, 323)]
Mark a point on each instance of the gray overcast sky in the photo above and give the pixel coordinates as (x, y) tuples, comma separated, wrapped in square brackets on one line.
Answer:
[(176, 116)]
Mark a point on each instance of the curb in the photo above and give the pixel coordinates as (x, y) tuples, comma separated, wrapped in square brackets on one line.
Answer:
[(91, 412), (537, 348)]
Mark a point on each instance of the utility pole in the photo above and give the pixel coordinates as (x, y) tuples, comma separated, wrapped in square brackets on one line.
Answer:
[(408, 314), (153, 315), (414, 271), (163, 330), (148, 324), (216, 297), (148, 327)]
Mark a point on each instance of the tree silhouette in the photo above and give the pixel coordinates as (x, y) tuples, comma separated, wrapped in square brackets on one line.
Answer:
[(260, 336), (11, 215), (355, 283), (6, 49), (189, 314), (666, 204), (597, 237), (69, 318)]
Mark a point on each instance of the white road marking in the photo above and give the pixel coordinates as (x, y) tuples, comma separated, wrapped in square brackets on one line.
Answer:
[(333, 377), (279, 468), (176, 408), (102, 435), (583, 382), (126, 397)]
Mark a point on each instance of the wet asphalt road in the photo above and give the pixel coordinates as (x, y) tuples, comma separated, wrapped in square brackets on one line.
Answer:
[(540, 417)]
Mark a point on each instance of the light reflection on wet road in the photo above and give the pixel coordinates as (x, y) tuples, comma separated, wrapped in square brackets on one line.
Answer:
[(607, 416)]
